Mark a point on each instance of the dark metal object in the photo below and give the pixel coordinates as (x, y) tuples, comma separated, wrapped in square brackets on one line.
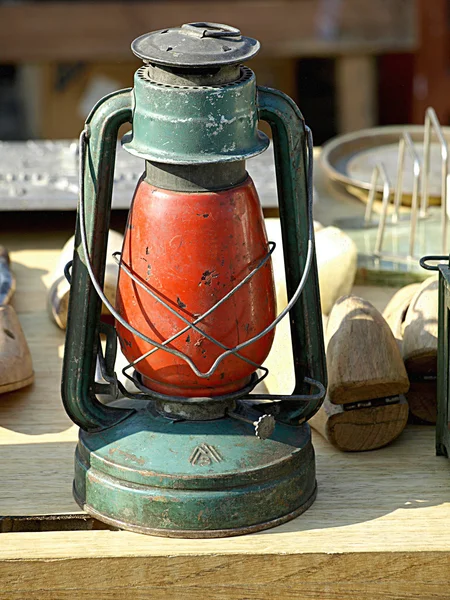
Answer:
[(195, 178), (443, 364), (189, 77)]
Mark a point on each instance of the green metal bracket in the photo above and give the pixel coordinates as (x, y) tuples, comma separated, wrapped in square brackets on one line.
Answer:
[(443, 392), (84, 306), (289, 138)]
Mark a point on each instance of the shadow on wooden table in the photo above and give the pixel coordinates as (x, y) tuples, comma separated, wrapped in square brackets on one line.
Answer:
[(364, 486), (36, 409)]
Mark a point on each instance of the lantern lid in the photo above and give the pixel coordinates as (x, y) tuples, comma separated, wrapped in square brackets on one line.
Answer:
[(195, 46)]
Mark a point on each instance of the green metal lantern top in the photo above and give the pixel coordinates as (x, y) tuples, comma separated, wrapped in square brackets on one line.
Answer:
[(193, 103), (195, 124), (195, 45)]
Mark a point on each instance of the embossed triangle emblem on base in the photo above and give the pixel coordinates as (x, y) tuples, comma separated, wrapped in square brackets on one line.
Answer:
[(204, 455)]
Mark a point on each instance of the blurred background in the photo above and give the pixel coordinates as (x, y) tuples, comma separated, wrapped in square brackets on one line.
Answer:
[(349, 64)]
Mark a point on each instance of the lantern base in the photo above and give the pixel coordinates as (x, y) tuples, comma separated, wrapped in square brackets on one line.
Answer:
[(194, 479)]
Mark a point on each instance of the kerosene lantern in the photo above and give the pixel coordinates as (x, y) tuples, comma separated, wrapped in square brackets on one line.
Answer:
[(194, 453)]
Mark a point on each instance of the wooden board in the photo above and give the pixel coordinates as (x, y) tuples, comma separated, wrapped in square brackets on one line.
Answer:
[(89, 31), (379, 528)]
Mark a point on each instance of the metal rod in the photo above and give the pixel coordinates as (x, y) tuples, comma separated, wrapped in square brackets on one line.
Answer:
[(399, 183), (406, 143), (371, 198), (382, 223), (432, 122), (415, 194)]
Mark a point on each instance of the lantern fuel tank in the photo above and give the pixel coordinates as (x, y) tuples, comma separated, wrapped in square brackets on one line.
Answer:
[(192, 249)]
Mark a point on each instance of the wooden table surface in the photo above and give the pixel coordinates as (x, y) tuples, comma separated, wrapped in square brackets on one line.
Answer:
[(379, 529)]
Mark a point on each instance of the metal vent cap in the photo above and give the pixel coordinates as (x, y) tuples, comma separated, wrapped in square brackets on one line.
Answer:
[(195, 45)]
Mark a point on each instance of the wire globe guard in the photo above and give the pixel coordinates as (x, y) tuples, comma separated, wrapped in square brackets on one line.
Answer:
[(138, 470)]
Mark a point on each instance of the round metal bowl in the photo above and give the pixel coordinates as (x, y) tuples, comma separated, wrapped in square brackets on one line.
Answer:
[(350, 159)]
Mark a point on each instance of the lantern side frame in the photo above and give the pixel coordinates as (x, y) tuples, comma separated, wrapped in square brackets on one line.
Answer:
[(443, 391)]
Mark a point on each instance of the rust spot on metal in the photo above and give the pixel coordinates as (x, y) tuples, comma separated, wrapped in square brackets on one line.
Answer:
[(128, 455), (198, 344), (188, 339), (208, 276), (146, 251), (180, 303)]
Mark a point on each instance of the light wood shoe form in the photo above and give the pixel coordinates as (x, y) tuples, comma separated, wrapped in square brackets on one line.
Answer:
[(419, 349), (16, 368), (395, 311), (365, 408)]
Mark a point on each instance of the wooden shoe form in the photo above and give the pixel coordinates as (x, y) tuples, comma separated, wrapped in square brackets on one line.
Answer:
[(16, 368), (360, 429), (395, 311), (419, 350), (364, 408), (363, 359)]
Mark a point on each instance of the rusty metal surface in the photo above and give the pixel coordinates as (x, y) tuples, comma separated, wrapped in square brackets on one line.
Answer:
[(197, 534), (43, 175), (194, 479)]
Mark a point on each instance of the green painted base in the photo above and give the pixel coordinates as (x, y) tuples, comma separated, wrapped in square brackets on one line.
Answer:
[(194, 478)]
